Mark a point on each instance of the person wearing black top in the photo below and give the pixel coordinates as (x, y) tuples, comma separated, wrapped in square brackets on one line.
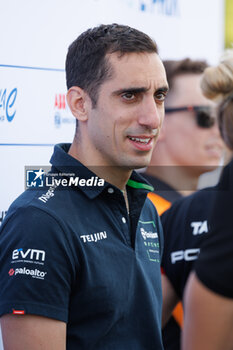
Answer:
[(208, 297), (185, 226)]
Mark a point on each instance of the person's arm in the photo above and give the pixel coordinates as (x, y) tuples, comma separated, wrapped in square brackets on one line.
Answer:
[(208, 319), (170, 299), (30, 332)]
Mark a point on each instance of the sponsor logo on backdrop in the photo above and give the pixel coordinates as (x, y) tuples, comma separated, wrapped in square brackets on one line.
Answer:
[(161, 7), (8, 104), (2, 215), (62, 113)]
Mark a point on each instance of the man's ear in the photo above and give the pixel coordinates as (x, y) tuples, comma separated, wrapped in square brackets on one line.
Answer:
[(78, 101)]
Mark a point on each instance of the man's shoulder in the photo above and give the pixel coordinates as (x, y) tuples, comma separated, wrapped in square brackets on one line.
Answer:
[(50, 203)]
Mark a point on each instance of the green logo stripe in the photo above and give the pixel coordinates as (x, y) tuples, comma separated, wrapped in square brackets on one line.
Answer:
[(135, 184), (148, 222)]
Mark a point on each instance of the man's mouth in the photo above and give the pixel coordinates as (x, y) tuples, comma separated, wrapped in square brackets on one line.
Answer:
[(144, 141)]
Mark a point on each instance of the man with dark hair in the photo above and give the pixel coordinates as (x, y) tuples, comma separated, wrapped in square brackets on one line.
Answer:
[(80, 267), (189, 145)]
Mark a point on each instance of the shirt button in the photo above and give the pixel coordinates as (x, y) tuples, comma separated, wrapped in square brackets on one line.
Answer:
[(110, 190), (123, 220)]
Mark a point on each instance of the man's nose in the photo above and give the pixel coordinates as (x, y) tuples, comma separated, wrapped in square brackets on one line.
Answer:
[(151, 115)]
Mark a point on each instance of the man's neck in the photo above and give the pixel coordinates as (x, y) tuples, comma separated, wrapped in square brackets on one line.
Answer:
[(117, 176)]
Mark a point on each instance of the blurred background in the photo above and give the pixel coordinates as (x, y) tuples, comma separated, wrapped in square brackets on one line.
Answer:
[(35, 35)]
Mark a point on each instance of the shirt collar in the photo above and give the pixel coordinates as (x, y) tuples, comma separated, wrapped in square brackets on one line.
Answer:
[(66, 164)]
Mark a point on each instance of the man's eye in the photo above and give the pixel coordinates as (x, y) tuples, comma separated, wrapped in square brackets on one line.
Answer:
[(160, 96), (128, 96)]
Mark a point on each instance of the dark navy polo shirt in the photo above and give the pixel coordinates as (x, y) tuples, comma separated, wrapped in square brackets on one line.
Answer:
[(75, 255)]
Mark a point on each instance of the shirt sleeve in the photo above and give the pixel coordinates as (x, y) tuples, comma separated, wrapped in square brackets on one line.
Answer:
[(37, 265)]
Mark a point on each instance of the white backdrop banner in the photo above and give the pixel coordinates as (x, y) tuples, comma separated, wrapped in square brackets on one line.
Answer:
[(37, 33), (35, 36)]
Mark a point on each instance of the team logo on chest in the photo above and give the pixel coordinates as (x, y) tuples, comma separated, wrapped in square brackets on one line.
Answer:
[(150, 240), (147, 235)]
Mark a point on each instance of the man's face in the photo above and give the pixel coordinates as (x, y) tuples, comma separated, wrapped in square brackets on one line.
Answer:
[(123, 127), (188, 144)]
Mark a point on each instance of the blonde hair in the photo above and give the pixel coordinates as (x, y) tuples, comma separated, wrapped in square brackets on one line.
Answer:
[(217, 85)]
